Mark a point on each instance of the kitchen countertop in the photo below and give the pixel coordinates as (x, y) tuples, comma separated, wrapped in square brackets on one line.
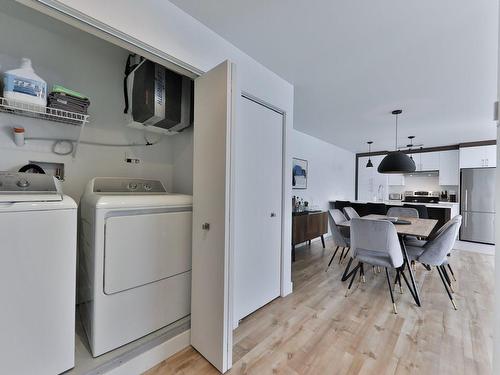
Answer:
[(306, 212), (400, 203)]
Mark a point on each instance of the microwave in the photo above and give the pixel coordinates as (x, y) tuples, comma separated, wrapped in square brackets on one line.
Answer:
[(395, 196)]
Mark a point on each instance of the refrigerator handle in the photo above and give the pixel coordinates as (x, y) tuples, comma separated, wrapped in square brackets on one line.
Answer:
[(465, 203)]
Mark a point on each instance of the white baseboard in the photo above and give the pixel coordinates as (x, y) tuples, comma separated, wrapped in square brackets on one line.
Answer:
[(287, 290), (154, 356)]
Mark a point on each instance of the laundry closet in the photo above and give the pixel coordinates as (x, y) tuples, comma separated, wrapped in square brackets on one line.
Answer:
[(216, 149)]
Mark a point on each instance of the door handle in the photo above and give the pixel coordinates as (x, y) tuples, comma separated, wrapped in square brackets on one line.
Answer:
[(465, 203), (273, 214), (205, 226)]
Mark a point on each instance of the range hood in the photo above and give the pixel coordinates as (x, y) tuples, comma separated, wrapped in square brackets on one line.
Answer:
[(423, 173)]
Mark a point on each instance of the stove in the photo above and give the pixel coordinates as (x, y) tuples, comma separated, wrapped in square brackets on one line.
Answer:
[(421, 196)]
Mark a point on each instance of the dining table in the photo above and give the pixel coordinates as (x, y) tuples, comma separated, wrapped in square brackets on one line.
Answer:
[(405, 226)]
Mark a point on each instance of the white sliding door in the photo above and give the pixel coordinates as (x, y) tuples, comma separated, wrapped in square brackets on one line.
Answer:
[(211, 331), (257, 247)]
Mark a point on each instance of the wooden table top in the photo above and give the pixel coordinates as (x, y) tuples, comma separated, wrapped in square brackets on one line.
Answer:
[(418, 227)]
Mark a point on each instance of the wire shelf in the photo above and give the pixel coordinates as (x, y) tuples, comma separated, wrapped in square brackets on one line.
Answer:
[(16, 107)]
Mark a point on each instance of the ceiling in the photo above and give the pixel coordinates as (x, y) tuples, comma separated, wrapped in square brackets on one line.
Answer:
[(352, 62)]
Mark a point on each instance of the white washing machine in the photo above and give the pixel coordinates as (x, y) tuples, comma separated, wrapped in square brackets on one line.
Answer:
[(37, 275), (135, 260)]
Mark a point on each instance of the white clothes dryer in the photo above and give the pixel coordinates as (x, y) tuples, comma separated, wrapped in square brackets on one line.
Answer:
[(135, 260)]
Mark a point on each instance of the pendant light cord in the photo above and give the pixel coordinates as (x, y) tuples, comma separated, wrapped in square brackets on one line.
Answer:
[(396, 143)]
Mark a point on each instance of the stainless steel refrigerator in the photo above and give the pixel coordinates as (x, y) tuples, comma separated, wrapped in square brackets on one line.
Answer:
[(477, 205)]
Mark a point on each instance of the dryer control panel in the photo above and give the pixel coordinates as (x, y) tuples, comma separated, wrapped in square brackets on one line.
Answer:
[(111, 185)]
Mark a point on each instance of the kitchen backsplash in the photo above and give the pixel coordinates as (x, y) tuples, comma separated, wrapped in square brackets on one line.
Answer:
[(421, 183)]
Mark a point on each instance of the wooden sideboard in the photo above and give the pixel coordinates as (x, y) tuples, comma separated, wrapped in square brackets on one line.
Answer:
[(307, 226)]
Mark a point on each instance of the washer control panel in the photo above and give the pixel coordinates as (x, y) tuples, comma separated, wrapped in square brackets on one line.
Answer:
[(30, 183), (111, 185), (29, 187)]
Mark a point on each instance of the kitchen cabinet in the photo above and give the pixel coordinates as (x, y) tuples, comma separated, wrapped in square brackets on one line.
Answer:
[(308, 226), (430, 161), (426, 161), (449, 169), (371, 184), (478, 156), (490, 156)]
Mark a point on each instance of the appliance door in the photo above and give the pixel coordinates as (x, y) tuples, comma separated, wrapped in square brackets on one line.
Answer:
[(478, 205), (478, 227), (142, 249), (478, 190), (37, 287)]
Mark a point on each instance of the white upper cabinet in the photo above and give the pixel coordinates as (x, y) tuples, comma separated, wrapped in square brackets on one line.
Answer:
[(449, 170), (478, 157), (490, 156), (426, 161)]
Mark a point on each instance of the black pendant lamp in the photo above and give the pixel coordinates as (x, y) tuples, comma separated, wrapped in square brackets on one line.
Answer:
[(396, 161), (369, 164), (410, 146)]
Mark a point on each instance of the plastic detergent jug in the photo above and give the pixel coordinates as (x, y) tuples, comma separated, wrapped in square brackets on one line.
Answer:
[(24, 85)]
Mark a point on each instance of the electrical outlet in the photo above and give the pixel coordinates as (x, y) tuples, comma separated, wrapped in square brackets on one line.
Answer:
[(132, 159)]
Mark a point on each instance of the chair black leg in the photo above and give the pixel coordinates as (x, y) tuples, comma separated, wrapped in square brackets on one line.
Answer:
[(346, 273), (447, 278), (390, 291), (452, 273), (347, 252), (341, 255), (398, 281), (354, 272), (446, 287), (333, 256), (402, 273)]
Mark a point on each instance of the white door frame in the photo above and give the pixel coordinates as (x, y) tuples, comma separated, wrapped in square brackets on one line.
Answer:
[(284, 190)]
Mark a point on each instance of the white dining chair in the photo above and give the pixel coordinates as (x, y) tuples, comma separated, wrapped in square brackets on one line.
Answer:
[(436, 252), (375, 242), (350, 213), (402, 212), (340, 236)]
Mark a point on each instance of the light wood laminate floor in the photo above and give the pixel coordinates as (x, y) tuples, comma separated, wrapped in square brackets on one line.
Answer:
[(316, 330)]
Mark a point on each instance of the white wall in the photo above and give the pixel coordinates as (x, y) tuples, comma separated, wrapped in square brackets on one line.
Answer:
[(165, 27), (496, 320), (331, 170), (62, 54)]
